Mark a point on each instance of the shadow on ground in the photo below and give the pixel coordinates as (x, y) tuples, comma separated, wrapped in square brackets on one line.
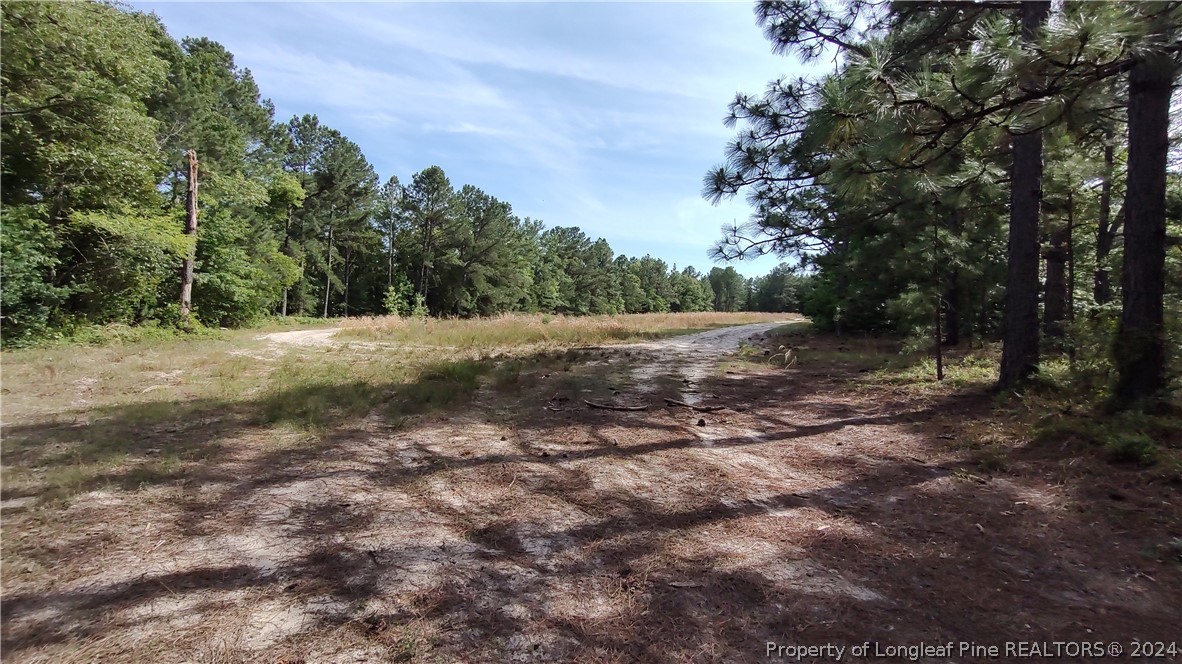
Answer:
[(527, 527)]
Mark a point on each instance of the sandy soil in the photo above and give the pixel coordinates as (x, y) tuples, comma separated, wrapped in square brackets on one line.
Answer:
[(692, 357), (322, 337), (530, 528)]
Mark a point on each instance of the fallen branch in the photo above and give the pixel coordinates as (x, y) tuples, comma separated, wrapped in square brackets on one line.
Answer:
[(606, 406), (700, 409)]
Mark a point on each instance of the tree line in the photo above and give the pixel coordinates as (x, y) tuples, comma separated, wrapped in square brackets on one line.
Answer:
[(973, 171), (100, 110)]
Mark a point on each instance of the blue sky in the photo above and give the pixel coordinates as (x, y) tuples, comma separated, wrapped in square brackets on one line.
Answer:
[(598, 115)]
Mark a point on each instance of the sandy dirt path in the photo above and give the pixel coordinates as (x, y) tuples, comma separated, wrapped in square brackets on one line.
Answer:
[(691, 358), (691, 349), (320, 337)]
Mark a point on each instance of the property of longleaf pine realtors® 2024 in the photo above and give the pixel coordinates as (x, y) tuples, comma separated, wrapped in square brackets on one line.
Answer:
[(949, 649)]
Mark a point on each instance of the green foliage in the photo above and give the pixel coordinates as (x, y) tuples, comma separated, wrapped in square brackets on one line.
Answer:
[(1124, 437), (889, 177), (779, 290), (419, 308), (1091, 336), (729, 289), (131, 257), (1131, 447), (76, 132), (101, 110), (689, 290), (29, 298), (117, 334), (80, 165), (398, 297)]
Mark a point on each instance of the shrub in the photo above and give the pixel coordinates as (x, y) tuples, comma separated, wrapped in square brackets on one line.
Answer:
[(398, 297), (1125, 437), (419, 310), (1131, 447)]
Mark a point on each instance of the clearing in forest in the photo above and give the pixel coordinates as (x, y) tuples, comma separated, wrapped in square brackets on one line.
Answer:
[(354, 500)]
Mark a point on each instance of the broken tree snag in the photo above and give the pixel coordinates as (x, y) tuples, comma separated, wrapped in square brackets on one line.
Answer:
[(190, 229), (607, 406), (700, 409)]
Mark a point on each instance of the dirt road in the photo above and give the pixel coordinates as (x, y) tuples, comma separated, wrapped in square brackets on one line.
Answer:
[(527, 527), (691, 358), (321, 337), (701, 347)]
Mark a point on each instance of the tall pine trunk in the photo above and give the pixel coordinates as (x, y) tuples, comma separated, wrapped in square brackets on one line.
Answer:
[(287, 252), (1105, 232), (1019, 357), (390, 259), (952, 292), (1055, 288), (1140, 343), (425, 272), (952, 310), (348, 267), (328, 272), (937, 335), (1070, 239), (843, 280)]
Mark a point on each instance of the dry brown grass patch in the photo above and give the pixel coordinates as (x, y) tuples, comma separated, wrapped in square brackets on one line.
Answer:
[(511, 330)]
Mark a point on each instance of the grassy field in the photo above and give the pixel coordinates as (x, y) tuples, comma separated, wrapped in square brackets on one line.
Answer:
[(75, 415)]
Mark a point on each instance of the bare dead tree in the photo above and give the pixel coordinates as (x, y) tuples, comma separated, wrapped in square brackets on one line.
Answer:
[(190, 229)]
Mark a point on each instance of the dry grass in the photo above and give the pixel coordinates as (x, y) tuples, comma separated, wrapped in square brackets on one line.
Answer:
[(46, 381), (514, 330)]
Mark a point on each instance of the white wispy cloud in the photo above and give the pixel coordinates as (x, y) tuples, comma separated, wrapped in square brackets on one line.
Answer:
[(439, 33), (600, 116)]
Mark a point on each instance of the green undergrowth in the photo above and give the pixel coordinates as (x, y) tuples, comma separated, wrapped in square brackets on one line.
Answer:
[(113, 335), (1133, 437), (1065, 402)]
